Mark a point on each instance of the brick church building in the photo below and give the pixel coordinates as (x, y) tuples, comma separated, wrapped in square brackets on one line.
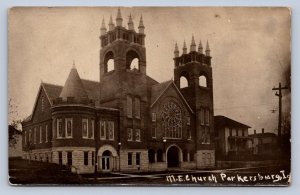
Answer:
[(127, 121)]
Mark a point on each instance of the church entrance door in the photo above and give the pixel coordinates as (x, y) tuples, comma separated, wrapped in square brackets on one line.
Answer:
[(173, 157)]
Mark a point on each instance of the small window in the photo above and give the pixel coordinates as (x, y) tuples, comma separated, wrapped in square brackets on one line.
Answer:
[(207, 117), (230, 132), (202, 81), (202, 116), (138, 135), (110, 130), (137, 107), (153, 132), (138, 158), (102, 130), (68, 127), (151, 156), (85, 128), (30, 136), (35, 135), (93, 158), (153, 117), (59, 128), (69, 158), (46, 133), (189, 134), (25, 139), (129, 107), (86, 158), (91, 129), (188, 120), (60, 158), (130, 158), (192, 156), (129, 134), (41, 134)]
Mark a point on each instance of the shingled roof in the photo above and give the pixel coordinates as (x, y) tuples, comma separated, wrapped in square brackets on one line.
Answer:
[(73, 86), (158, 89), (52, 91), (223, 121)]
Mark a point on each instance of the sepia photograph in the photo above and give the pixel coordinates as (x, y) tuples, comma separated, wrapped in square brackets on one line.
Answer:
[(149, 96)]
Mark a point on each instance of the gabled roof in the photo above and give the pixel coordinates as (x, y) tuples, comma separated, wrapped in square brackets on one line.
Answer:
[(52, 91), (73, 86), (227, 122), (159, 89)]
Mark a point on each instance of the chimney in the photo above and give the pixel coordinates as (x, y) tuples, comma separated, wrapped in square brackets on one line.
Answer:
[(262, 130)]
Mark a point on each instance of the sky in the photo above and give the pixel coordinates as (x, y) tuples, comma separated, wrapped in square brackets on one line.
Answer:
[(250, 49)]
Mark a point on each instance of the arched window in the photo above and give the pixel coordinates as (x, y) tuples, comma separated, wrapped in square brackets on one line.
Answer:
[(109, 63), (159, 155), (183, 82), (184, 79), (202, 81), (151, 156), (132, 60)]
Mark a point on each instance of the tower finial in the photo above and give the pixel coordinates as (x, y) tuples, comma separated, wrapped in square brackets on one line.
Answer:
[(193, 44), (200, 48), (207, 50), (176, 51), (103, 27), (119, 18), (141, 25), (130, 23), (184, 49), (73, 67), (111, 24)]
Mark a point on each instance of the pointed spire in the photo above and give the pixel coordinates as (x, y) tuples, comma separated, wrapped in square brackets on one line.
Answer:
[(119, 18), (130, 23), (141, 25), (111, 24), (176, 51), (193, 44), (73, 67), (73, 86), (184, 49), (103, 27), (200, 48), (207, 50)]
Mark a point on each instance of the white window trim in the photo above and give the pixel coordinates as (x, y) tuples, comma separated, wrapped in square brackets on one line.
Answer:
[(87, 128), (92, 129), (46, 132), (41, 134), (104, 136), (154, 132), (57, 128), (129, 129), (153, 117), (137, 131), (113, 129), (129, 108), (66, 127), (138, 113), (34, 139)]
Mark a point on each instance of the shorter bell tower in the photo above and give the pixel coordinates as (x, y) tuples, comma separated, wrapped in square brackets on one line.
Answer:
[(193, 76)]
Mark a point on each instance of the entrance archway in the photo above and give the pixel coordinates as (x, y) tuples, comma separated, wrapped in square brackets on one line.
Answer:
[(173, 157), (107, 159)]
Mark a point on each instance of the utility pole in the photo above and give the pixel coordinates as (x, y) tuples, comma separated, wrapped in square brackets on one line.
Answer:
[(279, 94)]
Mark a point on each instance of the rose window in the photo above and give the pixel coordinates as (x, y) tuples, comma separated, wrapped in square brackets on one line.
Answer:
[(171, 120)]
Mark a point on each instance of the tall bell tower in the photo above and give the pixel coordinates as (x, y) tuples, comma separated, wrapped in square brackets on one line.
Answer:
[(123, 83), (120, 47), (193, 76)]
